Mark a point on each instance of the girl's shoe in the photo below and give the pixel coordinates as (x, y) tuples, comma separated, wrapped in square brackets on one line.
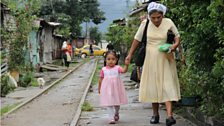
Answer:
[(154, 119), (112, 121), (170, 121), (116, 117)]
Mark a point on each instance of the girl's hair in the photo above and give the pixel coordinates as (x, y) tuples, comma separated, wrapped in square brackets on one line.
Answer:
[(110, 52)]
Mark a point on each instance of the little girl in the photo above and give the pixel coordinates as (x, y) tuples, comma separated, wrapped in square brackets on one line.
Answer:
[(111, 88)]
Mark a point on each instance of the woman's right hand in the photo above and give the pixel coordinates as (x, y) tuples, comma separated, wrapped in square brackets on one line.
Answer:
[(128, 59)]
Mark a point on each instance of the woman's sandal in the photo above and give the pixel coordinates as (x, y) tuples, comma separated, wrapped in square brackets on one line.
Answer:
[(154, 119), (170, 121), (116, 117)]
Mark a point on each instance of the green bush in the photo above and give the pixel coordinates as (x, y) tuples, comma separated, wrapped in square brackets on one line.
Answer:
[(86, 106), (5, 86), (25, 79), (200, 24)]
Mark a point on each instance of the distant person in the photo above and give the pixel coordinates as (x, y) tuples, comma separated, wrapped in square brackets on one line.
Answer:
[(91, 50), (111, 88), (73, 50), (66, 53), (110, 46)]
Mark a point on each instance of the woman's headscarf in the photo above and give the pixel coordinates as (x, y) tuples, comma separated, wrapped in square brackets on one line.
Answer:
[(156, 6)]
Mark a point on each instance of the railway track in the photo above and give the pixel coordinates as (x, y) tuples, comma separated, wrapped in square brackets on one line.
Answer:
[(59, 105)]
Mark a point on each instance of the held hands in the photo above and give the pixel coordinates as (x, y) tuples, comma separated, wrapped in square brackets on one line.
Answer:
[(128, 60)]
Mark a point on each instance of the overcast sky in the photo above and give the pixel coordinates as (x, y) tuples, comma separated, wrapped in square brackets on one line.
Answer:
[(114, 9)]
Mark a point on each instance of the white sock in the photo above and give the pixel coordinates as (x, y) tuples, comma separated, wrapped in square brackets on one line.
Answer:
[(110, 110)]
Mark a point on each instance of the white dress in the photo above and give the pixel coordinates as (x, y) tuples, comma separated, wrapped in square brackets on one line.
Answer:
[(159, 80)]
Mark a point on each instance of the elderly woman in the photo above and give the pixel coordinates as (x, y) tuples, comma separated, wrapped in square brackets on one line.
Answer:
[(159, 80)]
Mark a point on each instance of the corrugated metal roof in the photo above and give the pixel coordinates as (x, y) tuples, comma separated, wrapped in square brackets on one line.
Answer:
[(38, 21), (54, 23)]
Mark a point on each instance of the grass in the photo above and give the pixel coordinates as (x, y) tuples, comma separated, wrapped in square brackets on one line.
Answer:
[(86, 106), (8, 108), (96, 74), (34, 83)]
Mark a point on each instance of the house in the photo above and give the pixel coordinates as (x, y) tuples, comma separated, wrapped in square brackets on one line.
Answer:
[(79, 42), (120, 22), (44, 45), (8, 25), (57, 44), (141, 8)]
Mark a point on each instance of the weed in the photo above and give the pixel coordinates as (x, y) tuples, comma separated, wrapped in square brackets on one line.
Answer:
[(8, 108), (86, 106)]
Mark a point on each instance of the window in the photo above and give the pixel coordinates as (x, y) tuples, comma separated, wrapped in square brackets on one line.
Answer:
[(96, 48)]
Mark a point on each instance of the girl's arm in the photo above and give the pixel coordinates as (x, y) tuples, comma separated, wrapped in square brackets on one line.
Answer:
[(99, 85), (125, 69)]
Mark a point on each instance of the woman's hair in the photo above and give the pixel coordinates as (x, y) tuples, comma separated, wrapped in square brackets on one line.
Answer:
[(111, 52), (153, 11)]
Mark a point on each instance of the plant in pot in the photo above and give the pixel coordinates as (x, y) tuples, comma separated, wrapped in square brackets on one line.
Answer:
[(189, 95), (190, 88)]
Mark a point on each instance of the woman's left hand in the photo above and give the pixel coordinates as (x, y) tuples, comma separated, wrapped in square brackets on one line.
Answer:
[(173, 47)]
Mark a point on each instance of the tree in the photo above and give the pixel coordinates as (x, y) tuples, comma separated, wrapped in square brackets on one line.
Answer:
[(95, 34), (75, 11), (121, 36)]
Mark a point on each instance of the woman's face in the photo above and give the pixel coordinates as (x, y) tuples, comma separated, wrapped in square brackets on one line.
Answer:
[(156, 18)]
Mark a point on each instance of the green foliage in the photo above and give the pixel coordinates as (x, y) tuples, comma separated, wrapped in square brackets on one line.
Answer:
[(122, 36), (96, 74), (34, 82), (76, 11), (86, 106), (26, 79), (95, 34), (5, 86), (201, 26), (24, 13), (8, 108)]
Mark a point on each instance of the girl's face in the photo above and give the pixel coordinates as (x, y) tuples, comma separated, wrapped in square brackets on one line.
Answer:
[(111, 60), (156, 18)]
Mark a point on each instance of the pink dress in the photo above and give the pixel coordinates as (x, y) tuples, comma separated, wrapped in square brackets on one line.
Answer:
[(112, 90)]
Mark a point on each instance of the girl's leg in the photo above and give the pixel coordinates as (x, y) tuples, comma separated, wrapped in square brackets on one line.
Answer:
[(116, 115), (117, 108), (110, 110)]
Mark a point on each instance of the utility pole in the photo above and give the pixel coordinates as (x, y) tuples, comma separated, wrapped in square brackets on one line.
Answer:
[(127, 4), (52, 7)]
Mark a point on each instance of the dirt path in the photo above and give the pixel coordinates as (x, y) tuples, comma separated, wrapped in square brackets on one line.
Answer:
[(56, 107)]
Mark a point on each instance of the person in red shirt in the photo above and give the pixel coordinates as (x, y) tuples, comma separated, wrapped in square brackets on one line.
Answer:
[(66, 53)]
